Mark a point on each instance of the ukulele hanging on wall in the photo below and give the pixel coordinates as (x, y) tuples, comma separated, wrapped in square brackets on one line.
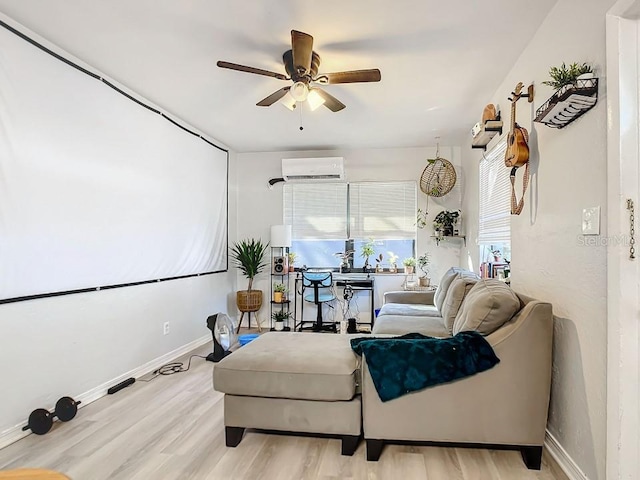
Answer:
[(517, 153)]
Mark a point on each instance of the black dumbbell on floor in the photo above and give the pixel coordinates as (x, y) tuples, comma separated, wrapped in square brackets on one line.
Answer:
[(41, 420)]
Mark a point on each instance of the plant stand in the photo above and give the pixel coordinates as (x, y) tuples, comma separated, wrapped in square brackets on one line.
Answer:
[(248, 301)]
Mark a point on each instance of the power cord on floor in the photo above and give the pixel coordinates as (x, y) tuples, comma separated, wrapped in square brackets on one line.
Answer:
[(171, 368)]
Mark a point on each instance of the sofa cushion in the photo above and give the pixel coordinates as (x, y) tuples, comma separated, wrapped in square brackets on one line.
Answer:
[(290, 365), (453, 301), (489, 304), (447, 280), (401, 324), (408, 309)]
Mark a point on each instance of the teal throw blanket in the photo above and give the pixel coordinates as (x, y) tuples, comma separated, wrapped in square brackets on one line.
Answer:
[(401, 365)]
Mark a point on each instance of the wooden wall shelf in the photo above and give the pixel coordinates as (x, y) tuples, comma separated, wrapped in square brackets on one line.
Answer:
[(438, 239), (490, 129)]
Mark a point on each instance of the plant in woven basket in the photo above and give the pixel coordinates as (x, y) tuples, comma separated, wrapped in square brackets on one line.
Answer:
[(566, 75), (248, 256)]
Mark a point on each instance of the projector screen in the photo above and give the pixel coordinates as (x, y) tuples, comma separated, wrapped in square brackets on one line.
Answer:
[(96, 190)]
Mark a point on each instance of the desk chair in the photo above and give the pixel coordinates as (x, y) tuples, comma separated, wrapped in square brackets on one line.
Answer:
[(321, 283)]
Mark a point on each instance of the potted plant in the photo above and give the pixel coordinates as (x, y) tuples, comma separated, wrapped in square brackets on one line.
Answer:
[(409, 265), (423, 265), (248, 256), (279, 290), (344, 260), (421, 218), (393, 262), (567, 75), (445, 222), (279, 319), (292, 261), (368, 249), (379, 267)]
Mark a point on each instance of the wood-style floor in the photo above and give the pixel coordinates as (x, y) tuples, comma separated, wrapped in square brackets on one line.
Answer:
[(172, 428)]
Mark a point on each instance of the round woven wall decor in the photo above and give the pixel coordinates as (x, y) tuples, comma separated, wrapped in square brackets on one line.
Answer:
[(438, 177)]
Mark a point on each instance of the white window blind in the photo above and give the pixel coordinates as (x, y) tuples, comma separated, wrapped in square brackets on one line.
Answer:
[(383, 210), (495, 197), (316, 210)]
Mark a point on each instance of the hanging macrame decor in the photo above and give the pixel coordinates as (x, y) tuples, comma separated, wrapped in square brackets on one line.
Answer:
[(438, 177)]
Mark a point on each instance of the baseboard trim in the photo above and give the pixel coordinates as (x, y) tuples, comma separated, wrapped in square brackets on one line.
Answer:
[(562, 458), (14, 434)]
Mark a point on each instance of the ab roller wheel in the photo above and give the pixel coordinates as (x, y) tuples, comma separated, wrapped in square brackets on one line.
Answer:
[(41, 420)]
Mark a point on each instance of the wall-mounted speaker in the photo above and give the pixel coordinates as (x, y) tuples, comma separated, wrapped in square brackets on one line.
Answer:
[(279, 266)]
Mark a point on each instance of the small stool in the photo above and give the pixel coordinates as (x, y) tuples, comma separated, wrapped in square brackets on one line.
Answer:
[(292, 382)]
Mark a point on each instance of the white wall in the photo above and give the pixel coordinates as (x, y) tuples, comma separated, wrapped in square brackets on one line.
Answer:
[(549, 258), (260, 207)]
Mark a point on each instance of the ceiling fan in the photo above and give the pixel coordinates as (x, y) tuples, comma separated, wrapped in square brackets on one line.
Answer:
[(301, 64)]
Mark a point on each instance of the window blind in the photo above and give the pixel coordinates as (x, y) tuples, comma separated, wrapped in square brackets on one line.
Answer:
[(383, 210), (316, 210), (495, 197)]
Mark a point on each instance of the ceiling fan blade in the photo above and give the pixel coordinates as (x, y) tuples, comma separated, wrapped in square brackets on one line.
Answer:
[(302, 47), (331, 102), (273, 98), (258, 71), (353, 76)]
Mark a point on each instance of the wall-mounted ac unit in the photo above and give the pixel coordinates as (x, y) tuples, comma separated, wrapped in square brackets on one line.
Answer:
[(313, 169)]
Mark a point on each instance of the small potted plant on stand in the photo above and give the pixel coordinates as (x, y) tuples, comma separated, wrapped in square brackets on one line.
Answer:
[(409, 265), (393, 262), (379, 267), (279, 319), (423, 265), (279, 290), (368, 249), (344, 260), (292, 261)]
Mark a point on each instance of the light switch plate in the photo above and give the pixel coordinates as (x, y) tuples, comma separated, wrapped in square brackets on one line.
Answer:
[(591, 221)]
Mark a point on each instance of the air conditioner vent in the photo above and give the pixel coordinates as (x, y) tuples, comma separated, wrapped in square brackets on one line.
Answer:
[(313, 169)]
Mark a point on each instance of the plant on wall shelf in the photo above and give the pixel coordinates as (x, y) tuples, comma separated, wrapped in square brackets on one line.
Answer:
[(445, 221), (566, 75)]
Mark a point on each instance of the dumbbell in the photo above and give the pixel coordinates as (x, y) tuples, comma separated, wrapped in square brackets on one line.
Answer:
[(41, 420)]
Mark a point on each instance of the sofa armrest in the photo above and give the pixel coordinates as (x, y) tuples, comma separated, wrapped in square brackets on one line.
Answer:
[(424, 298)]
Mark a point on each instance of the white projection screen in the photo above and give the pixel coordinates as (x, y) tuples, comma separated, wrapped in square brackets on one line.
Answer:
[(96, 190)]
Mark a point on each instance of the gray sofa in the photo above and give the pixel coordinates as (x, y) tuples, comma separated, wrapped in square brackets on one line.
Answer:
[(505, 406), (315, 383)]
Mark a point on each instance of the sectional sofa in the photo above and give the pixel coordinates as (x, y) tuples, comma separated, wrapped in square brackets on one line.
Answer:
[(302, 382)]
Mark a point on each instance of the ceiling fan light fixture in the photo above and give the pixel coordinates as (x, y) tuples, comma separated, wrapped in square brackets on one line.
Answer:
[(314, 99), (289, 102), (299, 91)]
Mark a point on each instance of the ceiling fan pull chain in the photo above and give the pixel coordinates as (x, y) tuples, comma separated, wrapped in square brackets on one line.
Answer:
[(300, 109)]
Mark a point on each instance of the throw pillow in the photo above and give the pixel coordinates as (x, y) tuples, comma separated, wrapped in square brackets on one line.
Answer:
[(489, 304), (445, 283), (456, 293), (443, 286)]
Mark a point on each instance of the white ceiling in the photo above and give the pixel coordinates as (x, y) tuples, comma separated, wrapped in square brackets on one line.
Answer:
[(441, 61)]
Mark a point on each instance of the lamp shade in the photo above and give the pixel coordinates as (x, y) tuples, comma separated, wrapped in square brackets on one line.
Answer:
[(280, 235)]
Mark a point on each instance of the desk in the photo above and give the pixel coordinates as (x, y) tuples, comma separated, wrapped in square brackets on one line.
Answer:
[(357, 282)]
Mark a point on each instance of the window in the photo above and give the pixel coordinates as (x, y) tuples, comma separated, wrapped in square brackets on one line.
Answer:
[(494, 230), (328, 218)]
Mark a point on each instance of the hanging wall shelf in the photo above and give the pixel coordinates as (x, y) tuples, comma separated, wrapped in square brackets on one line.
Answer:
[(489, 129), (568, 103)]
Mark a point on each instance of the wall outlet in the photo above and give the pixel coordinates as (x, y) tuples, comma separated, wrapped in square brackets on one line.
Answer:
[(165, 328)]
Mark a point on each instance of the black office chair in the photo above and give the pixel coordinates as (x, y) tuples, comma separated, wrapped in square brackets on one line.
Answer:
[(321, 283)]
